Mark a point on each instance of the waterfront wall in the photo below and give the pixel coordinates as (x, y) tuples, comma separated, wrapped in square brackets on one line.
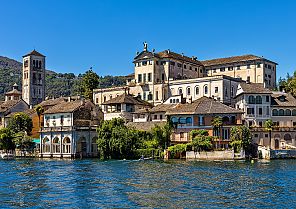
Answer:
[(215, 155)]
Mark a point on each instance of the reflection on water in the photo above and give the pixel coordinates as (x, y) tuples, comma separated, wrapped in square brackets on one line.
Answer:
[(131, 184)]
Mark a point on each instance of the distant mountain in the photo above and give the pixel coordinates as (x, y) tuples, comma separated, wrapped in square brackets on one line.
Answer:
[(57, 84)]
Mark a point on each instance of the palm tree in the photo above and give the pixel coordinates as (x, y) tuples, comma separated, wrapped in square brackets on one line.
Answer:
[(268, 124), (39, 110), (217, 123)]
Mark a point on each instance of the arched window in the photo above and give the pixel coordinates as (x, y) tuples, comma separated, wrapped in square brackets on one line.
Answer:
[(258, 100), (189, 121), (196, 90), (66, 145), (56, 145), (288, 112), (174, 120), (281, 112), (225, 119), (188, 91), (275, 112), (205, 89), (45, 145), (251, 99), (180, 91), (182, 120), (294, 112)]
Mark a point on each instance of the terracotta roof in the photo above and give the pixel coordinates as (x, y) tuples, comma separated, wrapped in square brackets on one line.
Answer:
[(52, 102), (202, 105), (254, 88), (34, 52), (282, 99), (170, 54), (234, 59), (146, 126), (65, 107), (14, 91), (127, 99), (166, 54), (8, 104), (29, 112)]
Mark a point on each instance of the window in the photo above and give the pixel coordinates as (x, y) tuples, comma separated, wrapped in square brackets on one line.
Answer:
[(196, 90), (266, 135), (216, 89), (162, 62), (281, 112), (250, 111), (144, 96), (157, 63), (288, 112), (275, 112), (251, 100), (144, 77), (156, 95), (222, 69), (184, 66), (238, 67), (248, 78), (206, 90), (179, 65), (214, 70), (62, 119), (232, 91), (181, 135), (139, 64), (294, 112), (144, 63), (258, 100), (188, 90), (105, 98), (139, 78), (180, 91), (195, 69), (256, 135), (267, 98), (260, 110), (172, 63), (201, 120), (248, 66), (150, 62), (230, 68), (190, 68), (258, 65), (155, 117), (160, 117), (162, 77), (250, 123), (26, 64), (189, 121)]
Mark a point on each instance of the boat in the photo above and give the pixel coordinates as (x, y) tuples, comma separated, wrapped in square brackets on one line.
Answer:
[(6, 155), (146, 158)]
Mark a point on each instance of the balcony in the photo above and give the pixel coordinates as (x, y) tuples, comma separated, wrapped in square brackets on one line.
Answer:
[(61, 128)]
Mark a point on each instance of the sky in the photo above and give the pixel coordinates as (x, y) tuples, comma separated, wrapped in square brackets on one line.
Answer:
[(106, 34)]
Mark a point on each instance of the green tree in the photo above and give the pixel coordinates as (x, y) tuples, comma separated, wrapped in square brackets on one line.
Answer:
[(240, 138), (268, 125), (20, 122), (162, 134), (117, 141), (23, 141), (201, 140), (90, 81), (6, 139), (217, 124), (39, 110)]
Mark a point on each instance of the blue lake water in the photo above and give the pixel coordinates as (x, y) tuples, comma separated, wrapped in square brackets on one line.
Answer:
[(28, 183)]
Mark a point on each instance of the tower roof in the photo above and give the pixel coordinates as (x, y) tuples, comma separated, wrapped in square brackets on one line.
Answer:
[(34, 52)]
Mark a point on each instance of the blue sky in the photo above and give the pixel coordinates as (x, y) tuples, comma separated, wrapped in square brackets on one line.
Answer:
[(106, 34)]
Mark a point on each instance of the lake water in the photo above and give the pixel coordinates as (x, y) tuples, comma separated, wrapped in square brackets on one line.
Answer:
[(151, 184)]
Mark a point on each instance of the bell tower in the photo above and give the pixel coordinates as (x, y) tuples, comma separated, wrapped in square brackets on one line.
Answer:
[(33, 84)]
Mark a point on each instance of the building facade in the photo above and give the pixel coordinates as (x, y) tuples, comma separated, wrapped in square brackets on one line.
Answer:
[(249, 68), (70, 130)]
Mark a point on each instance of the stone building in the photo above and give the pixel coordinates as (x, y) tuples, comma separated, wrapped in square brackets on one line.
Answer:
[(249, 68), (33, 85), (70, 130), (199, 115)]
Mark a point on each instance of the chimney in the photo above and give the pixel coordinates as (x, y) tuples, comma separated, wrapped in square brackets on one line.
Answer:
[(182, 54), (168, 51)]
